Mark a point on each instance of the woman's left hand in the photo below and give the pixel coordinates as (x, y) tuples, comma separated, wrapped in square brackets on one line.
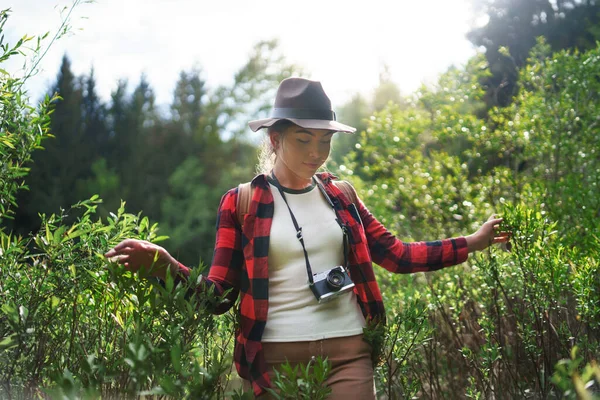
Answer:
[(488, 234)]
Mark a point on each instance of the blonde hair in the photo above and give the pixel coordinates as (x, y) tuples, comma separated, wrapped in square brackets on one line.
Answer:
[(266, 152), (266, 156)]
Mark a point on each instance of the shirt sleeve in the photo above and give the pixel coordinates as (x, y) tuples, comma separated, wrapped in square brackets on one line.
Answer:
[(224, 274), (399, 257)]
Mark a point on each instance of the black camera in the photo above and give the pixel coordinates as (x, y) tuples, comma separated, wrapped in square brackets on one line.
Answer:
[(330, 284)]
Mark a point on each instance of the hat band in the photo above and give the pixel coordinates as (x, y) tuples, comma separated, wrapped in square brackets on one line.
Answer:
[(303, 113)]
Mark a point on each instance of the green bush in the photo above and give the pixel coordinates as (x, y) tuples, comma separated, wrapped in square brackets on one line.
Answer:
[(501, 323), (70, 318), (71, 323)]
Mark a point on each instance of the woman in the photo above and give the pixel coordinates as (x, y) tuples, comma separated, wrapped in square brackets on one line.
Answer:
[(299, 227)]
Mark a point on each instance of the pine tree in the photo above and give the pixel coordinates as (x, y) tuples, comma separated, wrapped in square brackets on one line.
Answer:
[(64, 161), (94, 121)]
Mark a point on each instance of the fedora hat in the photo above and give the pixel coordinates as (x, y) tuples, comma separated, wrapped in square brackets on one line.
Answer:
[(304, 103)]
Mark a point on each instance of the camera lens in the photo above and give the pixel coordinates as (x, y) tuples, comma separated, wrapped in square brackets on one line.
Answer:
[(335, 279)]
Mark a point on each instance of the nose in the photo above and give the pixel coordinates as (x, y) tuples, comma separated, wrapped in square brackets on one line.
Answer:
[(313, 151)]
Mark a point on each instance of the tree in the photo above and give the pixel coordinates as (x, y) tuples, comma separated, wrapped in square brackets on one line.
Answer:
[(22, 129), (186, 109), (357, 111), (94, 121), (139, 167), (254, 87), (387, 91), (64, 160), (512, 30)]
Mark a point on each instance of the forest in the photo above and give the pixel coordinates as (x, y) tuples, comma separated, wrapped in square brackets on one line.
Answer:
[(514, 131)]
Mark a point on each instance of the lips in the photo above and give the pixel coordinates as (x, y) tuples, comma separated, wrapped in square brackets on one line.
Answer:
[(312, 165)]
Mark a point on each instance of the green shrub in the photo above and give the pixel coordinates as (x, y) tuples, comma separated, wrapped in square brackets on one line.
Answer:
[(502, 322)]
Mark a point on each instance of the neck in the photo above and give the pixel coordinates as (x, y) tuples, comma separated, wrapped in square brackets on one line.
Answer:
[(289, 179)]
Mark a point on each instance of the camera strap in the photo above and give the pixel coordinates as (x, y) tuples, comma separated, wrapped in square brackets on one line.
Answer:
[(299, 228)]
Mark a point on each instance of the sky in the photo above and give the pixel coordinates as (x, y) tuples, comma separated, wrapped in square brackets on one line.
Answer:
[(344, 44)]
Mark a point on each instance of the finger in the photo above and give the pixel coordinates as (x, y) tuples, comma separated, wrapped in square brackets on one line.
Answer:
[(114, 252), (121, 258), (133, 243), (500, 240), (495, 221)]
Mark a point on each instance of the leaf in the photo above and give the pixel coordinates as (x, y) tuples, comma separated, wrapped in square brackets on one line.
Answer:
[(48, 235), (8, 342), (168, 385), (8, 144), (176, 358), (169, 282), (144, 224), (23, 313), (72, 235), (55, 302), (57, 237), (118, 319)]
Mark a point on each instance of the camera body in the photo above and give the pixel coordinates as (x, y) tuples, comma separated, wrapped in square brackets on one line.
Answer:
[(330, 284)]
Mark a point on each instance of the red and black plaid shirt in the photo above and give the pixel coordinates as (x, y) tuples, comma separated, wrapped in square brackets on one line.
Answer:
[(241, 256)]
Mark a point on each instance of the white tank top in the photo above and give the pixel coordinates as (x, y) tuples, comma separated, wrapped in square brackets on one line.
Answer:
[(294, 313)]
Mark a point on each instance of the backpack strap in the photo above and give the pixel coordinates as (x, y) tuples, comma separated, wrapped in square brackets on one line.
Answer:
[(243, 201), (348, 191)]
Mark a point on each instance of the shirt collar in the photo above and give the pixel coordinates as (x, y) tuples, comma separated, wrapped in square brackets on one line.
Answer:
[(261, 179)]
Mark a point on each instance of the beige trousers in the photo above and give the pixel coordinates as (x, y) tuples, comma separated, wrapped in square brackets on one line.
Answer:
[(351, 375)]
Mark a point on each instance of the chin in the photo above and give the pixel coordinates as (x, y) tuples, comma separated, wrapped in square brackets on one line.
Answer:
[(308, 171)]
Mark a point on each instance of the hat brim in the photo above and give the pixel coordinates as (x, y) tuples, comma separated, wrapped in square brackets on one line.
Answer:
[(304, 123)]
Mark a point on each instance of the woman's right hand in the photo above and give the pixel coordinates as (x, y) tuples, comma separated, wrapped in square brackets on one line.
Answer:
[(137, 254)]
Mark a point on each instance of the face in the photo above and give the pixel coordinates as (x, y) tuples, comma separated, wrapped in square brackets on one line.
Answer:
[(302, 150)]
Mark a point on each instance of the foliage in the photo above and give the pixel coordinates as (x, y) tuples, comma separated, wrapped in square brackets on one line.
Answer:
[(512, 28), (502, 322), (357, 111), (70, 323), (130, 149), (113, 333), (575, 383), (22, 126), (301, 381), (406, 333)]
